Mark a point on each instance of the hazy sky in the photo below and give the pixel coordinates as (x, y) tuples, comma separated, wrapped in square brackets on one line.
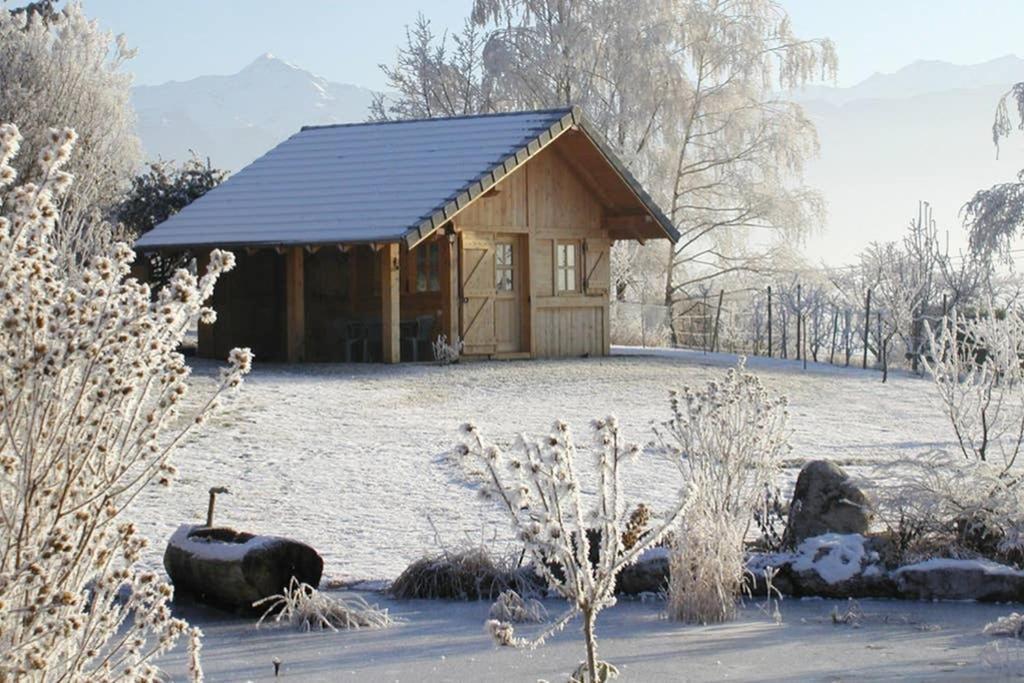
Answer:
[(345, 40)]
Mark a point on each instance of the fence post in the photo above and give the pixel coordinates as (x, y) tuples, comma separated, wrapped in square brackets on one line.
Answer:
[(704, 323), (802, 322), (867, 329), (799, 321), (835, 330), (718, 316), (878, 325), (848, 333), (769, 321)]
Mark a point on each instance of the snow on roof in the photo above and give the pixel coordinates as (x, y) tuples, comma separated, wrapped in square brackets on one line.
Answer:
[(370, 182)]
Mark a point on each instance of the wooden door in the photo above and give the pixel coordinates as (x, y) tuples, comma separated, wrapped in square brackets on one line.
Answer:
[(476, 270), (508, 288)]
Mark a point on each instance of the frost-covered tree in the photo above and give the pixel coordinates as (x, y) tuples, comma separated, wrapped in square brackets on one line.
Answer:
[(729, 439), (157, 194), (432, 77), (575, 542), (58, 68), (995, 216), (685, 91), (976, 364), (90, 391)]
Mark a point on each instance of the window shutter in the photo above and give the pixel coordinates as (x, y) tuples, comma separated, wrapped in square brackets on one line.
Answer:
[(597, 271)]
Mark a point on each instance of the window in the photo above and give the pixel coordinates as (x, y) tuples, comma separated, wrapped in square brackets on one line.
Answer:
[(565, 267), (504, 267), (428, 267)]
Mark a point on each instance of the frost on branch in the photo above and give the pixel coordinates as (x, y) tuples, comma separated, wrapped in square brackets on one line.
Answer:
[(539, 486), (977, 368), (729, 439), (90, 389)]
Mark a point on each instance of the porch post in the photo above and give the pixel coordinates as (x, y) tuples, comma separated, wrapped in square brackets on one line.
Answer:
[(450, 288), (391, 347), (295, 305)]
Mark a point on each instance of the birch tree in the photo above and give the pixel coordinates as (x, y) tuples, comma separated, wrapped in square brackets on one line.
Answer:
[(685, 91), (994, 216)]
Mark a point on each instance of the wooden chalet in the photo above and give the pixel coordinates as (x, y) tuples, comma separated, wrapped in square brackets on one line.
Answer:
[(366, 241)]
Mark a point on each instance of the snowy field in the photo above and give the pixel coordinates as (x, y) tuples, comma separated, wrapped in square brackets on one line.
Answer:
[(350, 458), (444, 641)]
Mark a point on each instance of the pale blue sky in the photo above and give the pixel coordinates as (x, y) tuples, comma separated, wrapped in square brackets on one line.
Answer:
[(345, 40)]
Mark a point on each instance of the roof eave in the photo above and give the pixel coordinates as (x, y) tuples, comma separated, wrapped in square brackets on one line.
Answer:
[(572, 119)]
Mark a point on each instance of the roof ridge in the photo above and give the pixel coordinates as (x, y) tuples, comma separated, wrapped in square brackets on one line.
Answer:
[(523, 112)]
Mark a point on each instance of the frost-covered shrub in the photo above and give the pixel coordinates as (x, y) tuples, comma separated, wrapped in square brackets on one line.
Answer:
[(1011, 626), (977, 367), (447, 353), (307, 609), (510, 607), (729, 438), (60, 67), (90, 389), (470, 574), (539, 486)]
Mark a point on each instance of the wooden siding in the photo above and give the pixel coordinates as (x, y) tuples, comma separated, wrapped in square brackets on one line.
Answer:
[(548, 202)]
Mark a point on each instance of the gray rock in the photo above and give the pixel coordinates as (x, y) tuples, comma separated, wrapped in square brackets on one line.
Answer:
[(944, 579), (826, 500)]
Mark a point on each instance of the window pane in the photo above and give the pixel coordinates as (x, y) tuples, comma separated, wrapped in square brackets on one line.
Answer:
[(570, 254)]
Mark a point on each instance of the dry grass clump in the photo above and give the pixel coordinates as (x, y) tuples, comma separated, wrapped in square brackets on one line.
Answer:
[(472, 574), (511, 607), (1011, 626), (308, 609)]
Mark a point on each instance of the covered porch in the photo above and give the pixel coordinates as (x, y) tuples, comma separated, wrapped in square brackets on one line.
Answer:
[(374, 302)]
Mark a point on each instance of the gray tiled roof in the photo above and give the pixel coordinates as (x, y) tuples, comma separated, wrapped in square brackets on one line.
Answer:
[(370, 182)]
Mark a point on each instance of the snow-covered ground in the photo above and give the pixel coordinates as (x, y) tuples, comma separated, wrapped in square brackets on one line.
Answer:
[(350, 458), (444, 641)]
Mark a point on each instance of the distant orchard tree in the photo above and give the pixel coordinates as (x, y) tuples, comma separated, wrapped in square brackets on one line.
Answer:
[(157, 194), (995, 216), (58, 68)]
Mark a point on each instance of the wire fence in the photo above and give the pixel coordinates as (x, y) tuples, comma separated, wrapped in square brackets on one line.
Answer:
[(782, 321)]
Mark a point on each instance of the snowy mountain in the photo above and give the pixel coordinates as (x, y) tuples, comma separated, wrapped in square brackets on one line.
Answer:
[(921, 78), (923, 132), (235, 118)]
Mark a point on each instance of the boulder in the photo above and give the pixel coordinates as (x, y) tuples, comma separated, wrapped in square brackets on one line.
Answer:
[(948, 579), (825, 500), (829, 566), (233, 569)]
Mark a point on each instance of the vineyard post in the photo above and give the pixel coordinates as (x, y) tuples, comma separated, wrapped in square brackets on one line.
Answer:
[(867, 328)]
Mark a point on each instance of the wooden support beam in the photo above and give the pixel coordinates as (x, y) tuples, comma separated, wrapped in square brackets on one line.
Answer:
[(295, 305), (450, 287), (391, 347)]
